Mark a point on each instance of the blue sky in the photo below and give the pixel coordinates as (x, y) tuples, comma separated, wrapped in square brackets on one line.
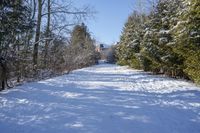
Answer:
[(109, 20)]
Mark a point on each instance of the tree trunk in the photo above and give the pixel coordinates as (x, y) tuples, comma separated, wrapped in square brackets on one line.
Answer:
[(47, 34), (2, 84), (37, 35), (18, 64), (3, 73)]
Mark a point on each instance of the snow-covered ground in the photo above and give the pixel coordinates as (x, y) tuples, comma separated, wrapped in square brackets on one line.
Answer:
[(102, 99)]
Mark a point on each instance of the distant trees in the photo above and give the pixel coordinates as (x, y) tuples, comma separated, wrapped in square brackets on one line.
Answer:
[(35, 39), (111, 55), (165, 41), (82, 47)]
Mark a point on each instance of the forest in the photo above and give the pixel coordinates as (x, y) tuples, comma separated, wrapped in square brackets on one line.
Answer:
[(164, 41), (43, 38)]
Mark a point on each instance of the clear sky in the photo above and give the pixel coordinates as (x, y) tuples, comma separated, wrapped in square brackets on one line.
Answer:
[(109, 20)]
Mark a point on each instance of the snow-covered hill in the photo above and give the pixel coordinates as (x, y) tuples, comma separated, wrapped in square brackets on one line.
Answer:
[(102, 99)]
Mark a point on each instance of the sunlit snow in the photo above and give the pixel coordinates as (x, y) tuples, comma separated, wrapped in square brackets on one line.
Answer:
[(102, 99)]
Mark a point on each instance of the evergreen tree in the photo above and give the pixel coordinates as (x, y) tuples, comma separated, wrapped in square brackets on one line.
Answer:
[(187, 35), (82, 47), (15, 22), (168, 41), (170, 61), (128, 50), (150, 49)]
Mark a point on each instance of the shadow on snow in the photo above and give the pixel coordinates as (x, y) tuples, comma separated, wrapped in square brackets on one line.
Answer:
[(92, 100)]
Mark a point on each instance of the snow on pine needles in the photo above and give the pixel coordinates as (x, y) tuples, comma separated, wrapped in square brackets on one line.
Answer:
[(102, 99)]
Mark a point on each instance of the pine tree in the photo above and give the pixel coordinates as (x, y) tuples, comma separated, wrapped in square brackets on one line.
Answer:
[(82, 46), (168, 42), (15, 22), (150, 49), (187, 34), (128, 50), (170, 61), (158, 40)]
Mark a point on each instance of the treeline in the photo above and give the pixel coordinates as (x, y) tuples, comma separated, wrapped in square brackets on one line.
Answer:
[(37, 39), (166, 41)]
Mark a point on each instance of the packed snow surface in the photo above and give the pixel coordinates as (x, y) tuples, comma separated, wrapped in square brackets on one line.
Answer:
[(102, 99)]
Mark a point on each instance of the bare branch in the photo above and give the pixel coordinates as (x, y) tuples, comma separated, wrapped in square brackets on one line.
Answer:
[(67, 12)]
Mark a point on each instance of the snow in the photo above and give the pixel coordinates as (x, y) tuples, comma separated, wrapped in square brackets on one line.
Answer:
[(102, 99), (164, 32)]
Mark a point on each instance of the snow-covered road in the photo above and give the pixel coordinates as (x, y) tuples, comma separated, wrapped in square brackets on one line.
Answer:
[(102, 99)]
